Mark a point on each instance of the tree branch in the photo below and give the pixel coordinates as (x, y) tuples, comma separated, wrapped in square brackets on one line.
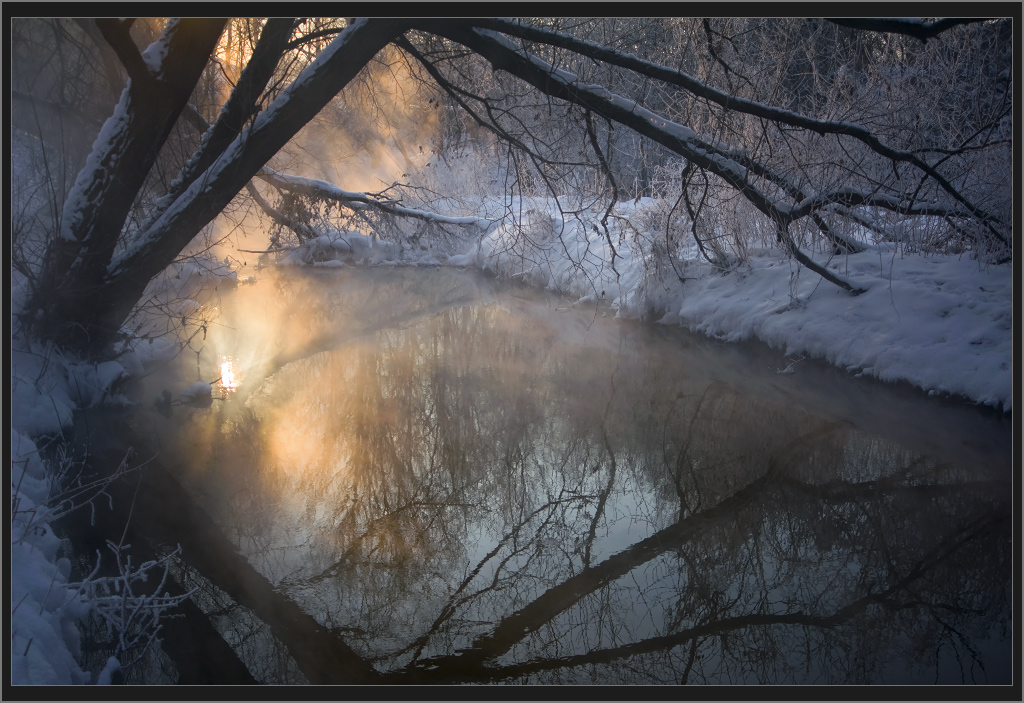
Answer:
[(99, 203), (682, 140), (322, 190), (731, 102), (919, 29), (116, 33), (240, 106), (301, 229)]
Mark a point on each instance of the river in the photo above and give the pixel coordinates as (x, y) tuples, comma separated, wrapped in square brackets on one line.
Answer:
[(426, 476)]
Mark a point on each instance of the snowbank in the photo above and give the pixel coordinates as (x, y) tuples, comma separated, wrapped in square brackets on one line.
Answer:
[(45, 608), (44, 612), (942, 323)]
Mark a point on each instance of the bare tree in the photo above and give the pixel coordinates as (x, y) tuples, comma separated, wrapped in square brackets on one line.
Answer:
[(805, 131)]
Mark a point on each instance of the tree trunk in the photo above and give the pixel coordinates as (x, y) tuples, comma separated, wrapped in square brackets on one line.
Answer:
[(102, 197), (91, 290)]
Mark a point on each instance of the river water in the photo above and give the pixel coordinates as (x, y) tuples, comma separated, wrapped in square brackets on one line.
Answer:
[(458, 481)]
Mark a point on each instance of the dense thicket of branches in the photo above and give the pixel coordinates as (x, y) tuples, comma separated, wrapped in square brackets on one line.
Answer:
[(800, 133)]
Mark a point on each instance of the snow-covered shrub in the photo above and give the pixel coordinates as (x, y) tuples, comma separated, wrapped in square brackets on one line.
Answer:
[(129, 607), (93, 384), (341, 247), (47, 609)]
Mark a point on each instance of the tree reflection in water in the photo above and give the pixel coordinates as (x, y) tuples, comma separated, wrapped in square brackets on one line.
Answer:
[(493, 491)]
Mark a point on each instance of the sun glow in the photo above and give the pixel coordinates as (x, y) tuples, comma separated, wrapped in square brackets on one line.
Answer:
[(228, 376)]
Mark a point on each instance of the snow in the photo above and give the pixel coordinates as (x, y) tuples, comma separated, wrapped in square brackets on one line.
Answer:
[(92, 384), (357, 200), (45, 608), (98, 166), (112, 666), (335, 248), (199, 389), (156, 52), (44, 638), (941, 323), (39, 392)]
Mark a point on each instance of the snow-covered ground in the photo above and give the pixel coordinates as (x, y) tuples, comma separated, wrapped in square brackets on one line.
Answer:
[(46, 606), (44, 612), (941, 323)]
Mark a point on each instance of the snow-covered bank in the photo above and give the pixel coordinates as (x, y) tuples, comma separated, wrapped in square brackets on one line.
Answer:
[(942, 323), (46, 606), (45, 642)]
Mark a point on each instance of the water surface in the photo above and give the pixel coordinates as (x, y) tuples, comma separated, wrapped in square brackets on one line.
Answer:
[(463, 482)]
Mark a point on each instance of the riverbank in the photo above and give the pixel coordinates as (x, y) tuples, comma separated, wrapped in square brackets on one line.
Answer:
[(942, 323)]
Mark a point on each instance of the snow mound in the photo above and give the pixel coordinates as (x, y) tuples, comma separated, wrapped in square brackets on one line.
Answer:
[(197, 391), (44, 612)]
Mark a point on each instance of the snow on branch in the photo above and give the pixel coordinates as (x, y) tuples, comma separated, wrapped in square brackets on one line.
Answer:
[(852, 197), (323, 190), (751, 107), (130, 609), (505, 55), (315, 85), (300, 228)]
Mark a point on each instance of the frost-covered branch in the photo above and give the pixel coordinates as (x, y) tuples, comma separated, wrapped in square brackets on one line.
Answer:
[(680, 139), (460, 95), (129, 607), (751, 107), (322, 190), (301, 229), (854, 197)]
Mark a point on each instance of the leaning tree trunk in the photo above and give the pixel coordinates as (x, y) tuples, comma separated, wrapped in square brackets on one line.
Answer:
[(89, 289), (160, 83)]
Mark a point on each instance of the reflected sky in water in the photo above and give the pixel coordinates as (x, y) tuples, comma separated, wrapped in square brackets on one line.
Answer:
[(469, 483)]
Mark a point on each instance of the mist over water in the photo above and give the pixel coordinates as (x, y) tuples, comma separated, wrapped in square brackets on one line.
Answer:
[(469, 482)]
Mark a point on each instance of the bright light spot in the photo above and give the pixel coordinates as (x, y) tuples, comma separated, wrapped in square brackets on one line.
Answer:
[(228, 377)]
